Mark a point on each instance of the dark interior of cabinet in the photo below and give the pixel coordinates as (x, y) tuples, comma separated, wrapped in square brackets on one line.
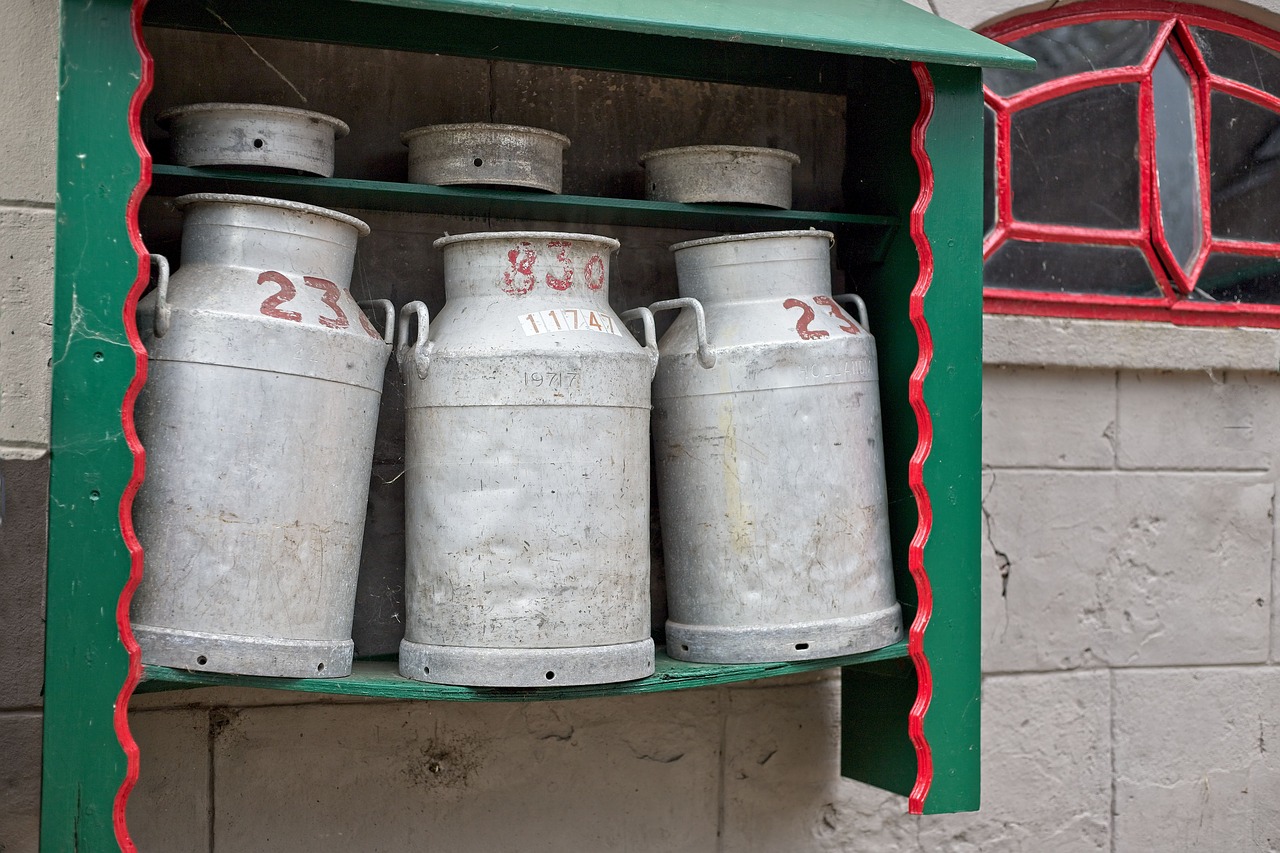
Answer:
[(612, 118)]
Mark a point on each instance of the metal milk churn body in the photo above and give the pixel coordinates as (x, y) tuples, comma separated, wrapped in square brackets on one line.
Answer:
[(767, 442), (258, 419), (527, 484)]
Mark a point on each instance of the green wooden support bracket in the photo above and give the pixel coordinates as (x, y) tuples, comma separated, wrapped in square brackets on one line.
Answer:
[(91, 466), (876, 746)]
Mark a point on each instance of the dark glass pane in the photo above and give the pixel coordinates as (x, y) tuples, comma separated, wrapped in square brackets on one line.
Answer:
[(1070, 268), (1176, 168), (988, 170), (1240, 60), (1239, 278), (1244, 164), (1074, 159), (1070, 50)]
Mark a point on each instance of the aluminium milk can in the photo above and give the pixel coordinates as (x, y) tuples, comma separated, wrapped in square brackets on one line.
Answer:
[(258, 419), (527, 455), (770, 468)]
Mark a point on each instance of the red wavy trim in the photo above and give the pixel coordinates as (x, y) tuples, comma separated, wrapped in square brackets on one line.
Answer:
[(924, 425), (131, 437)]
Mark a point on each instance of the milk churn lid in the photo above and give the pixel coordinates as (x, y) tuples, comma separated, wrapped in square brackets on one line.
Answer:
[(760, 235), (185, 201), (449, 239), (230, 111)]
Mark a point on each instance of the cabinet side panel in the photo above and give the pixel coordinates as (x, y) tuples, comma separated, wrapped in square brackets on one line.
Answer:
[(93, 468), (952, 471), (882, 177)]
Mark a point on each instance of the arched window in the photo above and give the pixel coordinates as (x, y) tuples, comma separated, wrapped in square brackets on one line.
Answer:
[(1135, 173)]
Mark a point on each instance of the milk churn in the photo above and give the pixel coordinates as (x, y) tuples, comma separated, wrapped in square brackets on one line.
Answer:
[(527, 455), (767, 442), (258, 419)]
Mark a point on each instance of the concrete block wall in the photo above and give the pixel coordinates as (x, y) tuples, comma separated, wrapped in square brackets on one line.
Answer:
[(743, 768), (28, 111), (1129, 621)]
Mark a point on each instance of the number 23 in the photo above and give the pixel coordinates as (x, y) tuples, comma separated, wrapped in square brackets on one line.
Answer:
[(286, 292)]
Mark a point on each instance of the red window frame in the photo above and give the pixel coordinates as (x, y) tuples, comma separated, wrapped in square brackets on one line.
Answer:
[(1173, 307)]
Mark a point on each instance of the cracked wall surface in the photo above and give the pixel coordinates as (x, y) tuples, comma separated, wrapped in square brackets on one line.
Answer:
[(1129, 621)]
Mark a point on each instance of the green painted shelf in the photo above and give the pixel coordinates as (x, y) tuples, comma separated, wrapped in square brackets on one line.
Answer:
[(866, 237), (381, 678)]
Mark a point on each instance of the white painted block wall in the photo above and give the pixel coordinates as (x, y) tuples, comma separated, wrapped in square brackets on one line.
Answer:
[(1131, 701), (28, 112)]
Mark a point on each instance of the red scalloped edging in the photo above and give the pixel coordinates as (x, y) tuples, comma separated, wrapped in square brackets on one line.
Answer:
[(131, 437), (924, 443)]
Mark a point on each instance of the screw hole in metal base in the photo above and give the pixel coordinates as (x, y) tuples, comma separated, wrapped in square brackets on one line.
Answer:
[(477, 162), (202, 660), (258, 143)]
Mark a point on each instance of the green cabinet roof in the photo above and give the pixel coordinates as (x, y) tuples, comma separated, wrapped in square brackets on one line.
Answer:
[(892, 29)]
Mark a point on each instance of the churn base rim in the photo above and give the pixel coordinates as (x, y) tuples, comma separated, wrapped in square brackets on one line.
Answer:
[(241, 655), (799, 641), (510, 667)]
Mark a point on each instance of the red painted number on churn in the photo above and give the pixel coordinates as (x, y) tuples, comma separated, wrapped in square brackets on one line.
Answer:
[(331, 296), (520, 279), (565, 280), (846, 324), (525, 264), (594, 272), (368, 327), (806, 317), (271, 305)]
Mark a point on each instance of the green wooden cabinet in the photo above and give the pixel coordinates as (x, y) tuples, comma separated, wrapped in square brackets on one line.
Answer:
[(909, 233)]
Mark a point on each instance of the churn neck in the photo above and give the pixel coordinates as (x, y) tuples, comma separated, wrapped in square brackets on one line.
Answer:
[(544, 267), (269, 234), (742, 267)]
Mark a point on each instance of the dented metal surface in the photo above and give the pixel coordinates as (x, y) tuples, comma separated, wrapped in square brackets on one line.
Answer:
[(724, 174), (260, 136), (486, 154), (769, 462), (258, 420), (527, 484)]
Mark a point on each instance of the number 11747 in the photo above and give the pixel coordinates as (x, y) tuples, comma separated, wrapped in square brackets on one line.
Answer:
[(568, 320)]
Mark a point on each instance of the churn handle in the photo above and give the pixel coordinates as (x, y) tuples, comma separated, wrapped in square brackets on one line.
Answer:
[(421, 357), (388, 316), (650, 334), (163, 315), (856, 300), (706, 355)]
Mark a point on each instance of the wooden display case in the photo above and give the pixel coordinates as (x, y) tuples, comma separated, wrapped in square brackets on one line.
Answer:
[(904, 199)]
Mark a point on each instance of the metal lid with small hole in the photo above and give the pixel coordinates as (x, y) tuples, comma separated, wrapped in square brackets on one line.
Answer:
[(721, 174), (260, 136), (503, 155)]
